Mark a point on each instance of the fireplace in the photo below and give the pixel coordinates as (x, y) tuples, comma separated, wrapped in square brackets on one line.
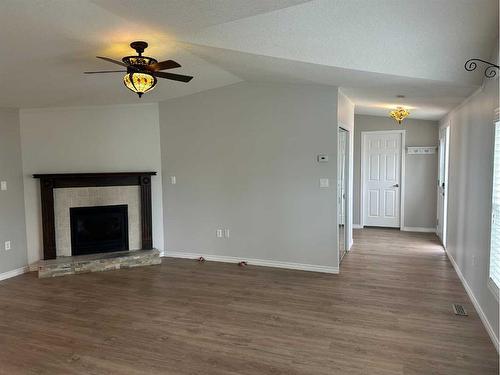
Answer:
[(51, 182), (99, 229)]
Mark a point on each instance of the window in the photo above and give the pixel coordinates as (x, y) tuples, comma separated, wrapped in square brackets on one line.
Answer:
[(495, 213)]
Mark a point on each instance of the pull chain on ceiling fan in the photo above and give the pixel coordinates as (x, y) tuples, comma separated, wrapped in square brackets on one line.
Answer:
[(143, 71)]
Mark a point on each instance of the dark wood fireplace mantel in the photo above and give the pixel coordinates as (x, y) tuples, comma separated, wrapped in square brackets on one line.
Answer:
[(49, 182)]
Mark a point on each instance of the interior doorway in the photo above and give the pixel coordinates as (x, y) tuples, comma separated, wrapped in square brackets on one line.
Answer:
[(342, 191), (382, 173), (442, 193)]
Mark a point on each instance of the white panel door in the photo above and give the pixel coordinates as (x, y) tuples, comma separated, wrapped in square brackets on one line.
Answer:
[(382, 179)]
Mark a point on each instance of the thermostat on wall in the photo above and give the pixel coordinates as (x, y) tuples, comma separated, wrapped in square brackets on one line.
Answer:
[(322, 158)]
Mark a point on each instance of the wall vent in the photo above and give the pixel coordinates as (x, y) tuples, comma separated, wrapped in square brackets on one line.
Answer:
[(459, 310)]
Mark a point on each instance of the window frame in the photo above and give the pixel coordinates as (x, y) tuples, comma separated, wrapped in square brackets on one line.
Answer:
[(492, 285)]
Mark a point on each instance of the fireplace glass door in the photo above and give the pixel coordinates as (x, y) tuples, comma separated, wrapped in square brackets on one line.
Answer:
[(99, 229)]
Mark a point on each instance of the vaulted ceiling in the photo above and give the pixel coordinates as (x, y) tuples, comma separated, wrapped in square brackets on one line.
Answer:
[(373, 50)]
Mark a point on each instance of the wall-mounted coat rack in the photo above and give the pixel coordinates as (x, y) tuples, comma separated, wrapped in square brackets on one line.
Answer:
[(421, 150)]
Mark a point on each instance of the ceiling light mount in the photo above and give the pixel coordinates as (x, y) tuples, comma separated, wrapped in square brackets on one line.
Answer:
[(490, 71), (139, 47)]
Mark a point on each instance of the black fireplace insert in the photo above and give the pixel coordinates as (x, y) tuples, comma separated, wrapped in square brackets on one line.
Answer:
[(99, 229)]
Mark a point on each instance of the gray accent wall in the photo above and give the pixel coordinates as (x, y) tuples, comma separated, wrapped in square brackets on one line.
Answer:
[(244, 157), (470, 184), (421, 170), (12, 221)]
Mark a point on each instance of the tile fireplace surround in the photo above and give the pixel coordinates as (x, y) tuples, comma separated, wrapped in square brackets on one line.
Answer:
[(60, 192), (67, 198)]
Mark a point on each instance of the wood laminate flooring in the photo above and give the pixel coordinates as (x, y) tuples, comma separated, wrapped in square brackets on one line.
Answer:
[(388, 312)]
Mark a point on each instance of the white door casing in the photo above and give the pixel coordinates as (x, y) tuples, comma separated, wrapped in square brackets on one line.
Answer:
[(341, 176), (382, 161), (442, 183)]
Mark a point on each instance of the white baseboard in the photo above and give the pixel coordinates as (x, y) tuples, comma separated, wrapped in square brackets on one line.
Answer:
[(256, 262), (357, 226), (418, 229), (16, 272), (476, 304)]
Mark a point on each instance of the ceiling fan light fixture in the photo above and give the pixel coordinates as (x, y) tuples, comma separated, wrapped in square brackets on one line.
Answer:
[(143, 71), (139, 83), (139, 61), (399, 114)]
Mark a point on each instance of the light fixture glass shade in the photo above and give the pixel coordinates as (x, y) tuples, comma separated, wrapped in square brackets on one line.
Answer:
[(399, 114), (139, 82)]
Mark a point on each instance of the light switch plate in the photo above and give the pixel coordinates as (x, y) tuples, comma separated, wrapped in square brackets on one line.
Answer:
[(7, 245), (226, 233), (219, 233), (3, 185), (324, 182), (173, 180)]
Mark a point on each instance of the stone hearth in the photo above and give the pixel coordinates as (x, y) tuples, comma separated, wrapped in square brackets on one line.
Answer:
[(97, 262)]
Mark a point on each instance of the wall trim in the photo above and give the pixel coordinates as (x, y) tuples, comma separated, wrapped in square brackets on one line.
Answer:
[(16, 272), (418, 229), (255, 262), (349, 190), (477, 306)]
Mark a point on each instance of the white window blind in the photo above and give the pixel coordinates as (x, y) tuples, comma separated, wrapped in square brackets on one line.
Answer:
[(495, 213)]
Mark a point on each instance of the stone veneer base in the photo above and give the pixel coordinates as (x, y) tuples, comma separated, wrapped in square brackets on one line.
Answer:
[(63, 266)]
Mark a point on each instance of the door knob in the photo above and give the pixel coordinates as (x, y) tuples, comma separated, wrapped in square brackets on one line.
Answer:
[(397, 185)]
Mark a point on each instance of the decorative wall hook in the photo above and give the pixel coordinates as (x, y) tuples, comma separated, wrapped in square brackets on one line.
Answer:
[(490, 71)]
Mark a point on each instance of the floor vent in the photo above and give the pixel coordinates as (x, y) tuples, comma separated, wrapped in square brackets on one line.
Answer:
[(459, 310)]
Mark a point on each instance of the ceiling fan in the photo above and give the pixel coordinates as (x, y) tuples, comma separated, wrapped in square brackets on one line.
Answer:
[(142, 71)]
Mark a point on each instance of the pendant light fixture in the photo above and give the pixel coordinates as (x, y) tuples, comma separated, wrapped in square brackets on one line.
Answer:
[(400, 113)]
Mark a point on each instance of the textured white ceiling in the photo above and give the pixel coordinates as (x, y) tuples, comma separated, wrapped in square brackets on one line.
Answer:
[(373, 93), (426, 39), (374, 50)]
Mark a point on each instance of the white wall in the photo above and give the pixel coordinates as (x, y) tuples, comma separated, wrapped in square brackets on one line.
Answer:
[(346, 121), (421, 170), (12, 223), (469, 198), (89, 139), (245, 159)]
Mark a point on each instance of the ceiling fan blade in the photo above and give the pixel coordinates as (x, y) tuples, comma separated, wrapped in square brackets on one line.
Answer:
[(106, 71), (162, 65), (173, 77), (111, 60)]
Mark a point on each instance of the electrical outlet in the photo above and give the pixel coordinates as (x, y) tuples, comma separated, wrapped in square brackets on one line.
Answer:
[(226, 233), (7, 245), (219, 233), (173, 180), (3, 185)]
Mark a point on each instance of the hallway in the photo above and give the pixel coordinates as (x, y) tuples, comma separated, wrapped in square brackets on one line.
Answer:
[(410, 285)]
